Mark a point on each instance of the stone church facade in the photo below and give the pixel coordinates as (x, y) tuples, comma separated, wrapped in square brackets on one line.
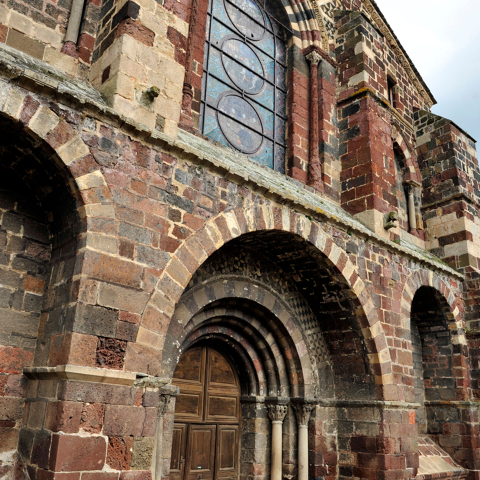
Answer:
[(235, 243)]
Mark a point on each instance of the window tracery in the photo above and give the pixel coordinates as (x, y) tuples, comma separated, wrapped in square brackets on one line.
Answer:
[(244, 82)]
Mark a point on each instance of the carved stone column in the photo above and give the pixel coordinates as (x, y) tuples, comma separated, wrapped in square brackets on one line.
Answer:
[(166, 392), (412, 217), (314, 164), (186, 112), (277, 413), (303, 412)]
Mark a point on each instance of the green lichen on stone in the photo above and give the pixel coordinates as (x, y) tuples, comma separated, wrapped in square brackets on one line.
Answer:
[(142, 453)]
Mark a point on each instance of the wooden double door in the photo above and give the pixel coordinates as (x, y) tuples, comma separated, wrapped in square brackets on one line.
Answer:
[(206, 434)]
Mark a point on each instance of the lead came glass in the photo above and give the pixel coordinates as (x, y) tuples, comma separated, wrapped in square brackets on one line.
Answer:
[(244, 71)]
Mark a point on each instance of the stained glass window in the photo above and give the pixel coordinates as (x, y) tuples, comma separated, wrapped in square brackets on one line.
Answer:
[(243, 90)]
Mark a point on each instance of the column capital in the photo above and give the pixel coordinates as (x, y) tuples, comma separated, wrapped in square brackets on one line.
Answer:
[(165, 391), (313, 57), (277, 412), (303, 410)]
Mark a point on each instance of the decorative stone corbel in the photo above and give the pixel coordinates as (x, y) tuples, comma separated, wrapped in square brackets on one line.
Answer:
[(390, 220)]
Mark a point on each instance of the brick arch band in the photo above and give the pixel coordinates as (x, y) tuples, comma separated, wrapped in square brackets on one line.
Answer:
[(450, 305), (70, 151), (227, 226)]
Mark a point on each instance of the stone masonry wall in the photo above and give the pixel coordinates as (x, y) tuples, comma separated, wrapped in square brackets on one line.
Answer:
[(136, 210), (38, 28), (25, 253), (141, 45)]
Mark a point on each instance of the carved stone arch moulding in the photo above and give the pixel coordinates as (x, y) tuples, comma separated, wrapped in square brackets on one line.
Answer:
[(223, 307), (321, 24), (226, 226), (307, 23)]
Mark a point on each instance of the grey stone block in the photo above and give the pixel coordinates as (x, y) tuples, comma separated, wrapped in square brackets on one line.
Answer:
[(93, 320)]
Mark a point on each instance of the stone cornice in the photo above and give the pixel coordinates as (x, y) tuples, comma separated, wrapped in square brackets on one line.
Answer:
[(82, 374), (226, 162), (377, 17)]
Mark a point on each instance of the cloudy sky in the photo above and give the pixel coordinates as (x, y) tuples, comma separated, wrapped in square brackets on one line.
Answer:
[(443, 40)]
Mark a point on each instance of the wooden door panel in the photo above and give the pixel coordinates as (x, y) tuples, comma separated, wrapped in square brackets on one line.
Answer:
[(206, 435), (227, 452), (200, 462), (179, 441), (189, 406), (220, 371), (191, 367), (222, 408)]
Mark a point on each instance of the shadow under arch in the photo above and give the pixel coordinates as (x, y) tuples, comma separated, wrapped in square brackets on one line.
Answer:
[(41, 201), (40, 226), (437, 358), (309, 314), (226, 228)]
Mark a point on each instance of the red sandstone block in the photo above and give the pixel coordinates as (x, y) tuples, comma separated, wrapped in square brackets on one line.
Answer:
[(12, 360), (123, 421), (48, 475), (92, 418), (82, 349), (100, 476), (63, 416), (30, 106), (138, 475), (74, 453), (137, 31), (112, 269)]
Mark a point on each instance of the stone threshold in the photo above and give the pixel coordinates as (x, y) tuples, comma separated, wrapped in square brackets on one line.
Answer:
[(35, 75)]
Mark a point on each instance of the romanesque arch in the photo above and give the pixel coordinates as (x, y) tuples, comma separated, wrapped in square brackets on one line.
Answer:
[(227, 226), (46, 200)]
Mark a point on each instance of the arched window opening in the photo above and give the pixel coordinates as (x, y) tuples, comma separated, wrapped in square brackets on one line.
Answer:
[(244, 83), (402, 195), (407, 211)]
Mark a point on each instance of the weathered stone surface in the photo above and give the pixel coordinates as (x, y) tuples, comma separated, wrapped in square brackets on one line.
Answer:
[(123, 421), (143, 449), (119, 454)]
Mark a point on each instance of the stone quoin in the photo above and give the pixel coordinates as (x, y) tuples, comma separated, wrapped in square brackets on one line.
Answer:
[(235, 244)]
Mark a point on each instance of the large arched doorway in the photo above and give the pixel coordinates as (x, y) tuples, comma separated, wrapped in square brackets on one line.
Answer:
[(206, 434)]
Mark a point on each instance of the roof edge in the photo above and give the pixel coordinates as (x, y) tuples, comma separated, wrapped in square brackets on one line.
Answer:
[(387, 31)]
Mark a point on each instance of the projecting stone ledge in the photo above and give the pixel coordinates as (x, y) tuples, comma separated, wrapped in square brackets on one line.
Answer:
[(286, 190)]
